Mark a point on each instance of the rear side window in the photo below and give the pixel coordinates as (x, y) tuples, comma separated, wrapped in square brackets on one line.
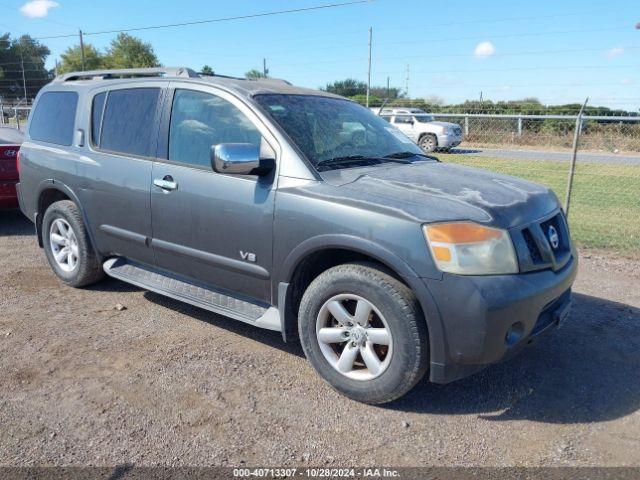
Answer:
[(96, 117), (129, 122), (54, 118)]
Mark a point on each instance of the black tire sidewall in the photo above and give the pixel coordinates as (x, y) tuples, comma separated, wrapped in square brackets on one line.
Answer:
[(423, 141), (409, 357), (68, 211)]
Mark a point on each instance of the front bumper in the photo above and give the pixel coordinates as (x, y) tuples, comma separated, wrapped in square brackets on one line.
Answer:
[(8, 195), (449, 141), (486, 319)]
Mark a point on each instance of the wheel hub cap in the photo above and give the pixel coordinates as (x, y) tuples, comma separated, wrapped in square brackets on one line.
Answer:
[(354, 337)]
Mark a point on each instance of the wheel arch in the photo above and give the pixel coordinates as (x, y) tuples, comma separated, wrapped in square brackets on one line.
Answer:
[(300, 268), (49, 192)]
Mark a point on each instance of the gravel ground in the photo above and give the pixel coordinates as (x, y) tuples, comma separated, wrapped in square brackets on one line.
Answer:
[(162, 383)]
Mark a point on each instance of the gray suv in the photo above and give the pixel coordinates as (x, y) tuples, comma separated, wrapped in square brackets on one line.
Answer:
[(296, 211)]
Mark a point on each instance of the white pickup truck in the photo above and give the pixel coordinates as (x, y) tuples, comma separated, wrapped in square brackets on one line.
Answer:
[(422, 128)]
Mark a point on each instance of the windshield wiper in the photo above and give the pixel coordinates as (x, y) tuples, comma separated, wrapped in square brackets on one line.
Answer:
[(337, 160), (406, 154), (358, 158)]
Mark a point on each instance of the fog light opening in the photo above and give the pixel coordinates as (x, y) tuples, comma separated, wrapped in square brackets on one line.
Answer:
[(514, 334)]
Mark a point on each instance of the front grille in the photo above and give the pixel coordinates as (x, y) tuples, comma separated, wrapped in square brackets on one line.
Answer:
[(457, 130), (536, 257), (544, 244)]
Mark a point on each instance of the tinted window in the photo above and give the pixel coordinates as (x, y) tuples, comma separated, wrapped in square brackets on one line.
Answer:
[(54, 118), (200, 120), (129, 122), (96, 117), (403, 119)]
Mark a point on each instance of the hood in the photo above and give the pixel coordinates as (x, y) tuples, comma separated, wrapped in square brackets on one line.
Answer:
[(434, 192)]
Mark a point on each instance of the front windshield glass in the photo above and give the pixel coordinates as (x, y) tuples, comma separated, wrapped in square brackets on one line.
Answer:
[(424, 118), (332, 128)]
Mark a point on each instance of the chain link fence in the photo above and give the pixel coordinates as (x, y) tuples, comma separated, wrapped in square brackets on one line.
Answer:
[(598, 133), (14, 114)]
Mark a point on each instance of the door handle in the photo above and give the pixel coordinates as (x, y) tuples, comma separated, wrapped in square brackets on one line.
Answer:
[(166, 183)]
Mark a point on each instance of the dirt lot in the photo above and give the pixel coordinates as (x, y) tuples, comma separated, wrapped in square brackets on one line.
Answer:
[(164, 383)]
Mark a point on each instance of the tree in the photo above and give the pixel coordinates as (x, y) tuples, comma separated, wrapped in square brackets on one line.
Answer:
[(127, 51), (255, 73), (347, 88), (71, 59), (14, 53), (207, 70)]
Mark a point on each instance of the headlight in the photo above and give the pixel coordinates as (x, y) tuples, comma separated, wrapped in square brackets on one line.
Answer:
[(468, 248)]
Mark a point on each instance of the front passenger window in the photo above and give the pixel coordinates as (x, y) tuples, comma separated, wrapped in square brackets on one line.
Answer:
[(200, 120)]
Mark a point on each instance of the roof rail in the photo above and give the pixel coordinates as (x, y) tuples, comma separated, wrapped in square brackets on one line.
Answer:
[(277, 81), (127, 72)]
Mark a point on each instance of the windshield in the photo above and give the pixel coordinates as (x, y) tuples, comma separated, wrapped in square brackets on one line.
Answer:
[(326, 128), (424, 118)]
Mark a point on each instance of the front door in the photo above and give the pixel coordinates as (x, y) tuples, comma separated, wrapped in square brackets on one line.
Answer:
[(405, 124), (213, 228)]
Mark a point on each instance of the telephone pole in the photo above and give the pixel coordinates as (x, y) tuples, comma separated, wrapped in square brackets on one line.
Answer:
[(406, 83), (24, 80), (369, 71), (265, 70), (81, 50)]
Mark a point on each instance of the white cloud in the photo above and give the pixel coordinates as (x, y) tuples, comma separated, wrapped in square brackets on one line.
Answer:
[(615, 52), (484, 50), (38, 8), (626, 81)]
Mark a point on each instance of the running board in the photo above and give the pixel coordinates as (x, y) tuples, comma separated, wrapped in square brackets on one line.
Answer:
[(181, 289)]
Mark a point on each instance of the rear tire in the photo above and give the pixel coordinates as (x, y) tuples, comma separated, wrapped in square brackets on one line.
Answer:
[(67, 245), (428, 142), (384, 335)]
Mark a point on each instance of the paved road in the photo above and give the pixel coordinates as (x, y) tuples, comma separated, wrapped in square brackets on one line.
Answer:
[(164, 383), (10, 135), (596, 157)]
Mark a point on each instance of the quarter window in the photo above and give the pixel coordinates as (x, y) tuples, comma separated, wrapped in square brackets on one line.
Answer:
[(54, 118), (129, 122), (96, 117), (200, 120)]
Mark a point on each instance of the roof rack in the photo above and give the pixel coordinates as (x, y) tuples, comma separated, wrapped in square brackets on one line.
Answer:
[(127, 72)]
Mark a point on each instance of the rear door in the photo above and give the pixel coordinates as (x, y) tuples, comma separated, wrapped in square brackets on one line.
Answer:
[(116, 176), (213, 228)]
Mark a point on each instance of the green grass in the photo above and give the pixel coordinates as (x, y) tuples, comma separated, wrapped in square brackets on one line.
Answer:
[(605, 201)]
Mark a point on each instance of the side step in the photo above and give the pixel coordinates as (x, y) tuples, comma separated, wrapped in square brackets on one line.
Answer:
[(217, 301)]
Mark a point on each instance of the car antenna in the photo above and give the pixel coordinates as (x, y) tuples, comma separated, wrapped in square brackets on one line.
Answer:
[(386, 100)]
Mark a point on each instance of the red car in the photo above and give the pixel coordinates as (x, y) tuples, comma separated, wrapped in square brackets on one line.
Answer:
[(8, 175)]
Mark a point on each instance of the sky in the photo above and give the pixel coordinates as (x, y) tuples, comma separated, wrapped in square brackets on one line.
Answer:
[(557, 51)]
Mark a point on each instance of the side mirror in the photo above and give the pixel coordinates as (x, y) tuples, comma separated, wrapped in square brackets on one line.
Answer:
[(239, 159)]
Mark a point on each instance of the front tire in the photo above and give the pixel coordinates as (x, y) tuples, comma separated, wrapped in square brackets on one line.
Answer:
[(67, 246), (428, 142), (364, 333)]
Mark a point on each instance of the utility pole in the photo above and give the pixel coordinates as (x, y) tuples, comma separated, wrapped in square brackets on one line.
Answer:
[(406, 83), (369, 71), (388, 89), (81, 50), (56, 70), (24, 81), (265, 70)]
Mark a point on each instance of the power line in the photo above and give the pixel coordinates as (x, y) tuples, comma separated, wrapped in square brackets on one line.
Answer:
[(213, 20)]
